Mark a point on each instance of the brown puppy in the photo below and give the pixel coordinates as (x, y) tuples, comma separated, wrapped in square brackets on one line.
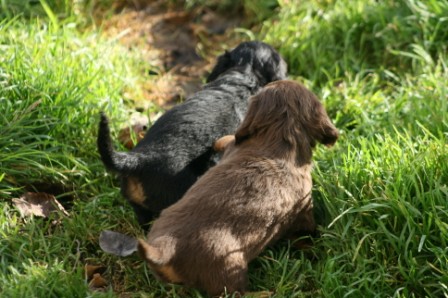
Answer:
[(259, 191)]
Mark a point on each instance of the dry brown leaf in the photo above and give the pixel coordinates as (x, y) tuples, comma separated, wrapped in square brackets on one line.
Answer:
[(139, 126), (125, 138), (90, 270), (38, 204), (97, 282)]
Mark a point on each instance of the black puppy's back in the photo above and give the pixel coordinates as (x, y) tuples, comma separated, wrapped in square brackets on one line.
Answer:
[(177, 149)]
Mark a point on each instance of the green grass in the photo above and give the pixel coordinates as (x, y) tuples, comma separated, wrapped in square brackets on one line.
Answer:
[(330, 40), (381, 193), (54, 81)]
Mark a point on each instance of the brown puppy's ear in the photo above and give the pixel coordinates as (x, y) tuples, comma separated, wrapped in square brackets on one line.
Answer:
[(248, 126), (330, 135), (323, 130), (150, 253), (222, 143)]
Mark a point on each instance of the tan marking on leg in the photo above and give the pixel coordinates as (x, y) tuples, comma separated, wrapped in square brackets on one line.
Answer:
[(135, 191), (168, 273)]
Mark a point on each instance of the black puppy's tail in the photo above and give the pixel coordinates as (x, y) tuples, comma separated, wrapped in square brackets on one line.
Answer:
[(121, 162)]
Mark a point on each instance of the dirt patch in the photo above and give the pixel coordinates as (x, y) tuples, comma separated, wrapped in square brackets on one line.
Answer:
[(181, 46)]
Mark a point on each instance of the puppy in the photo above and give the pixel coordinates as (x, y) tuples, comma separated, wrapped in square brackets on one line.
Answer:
[(260, 190), (177, 149)]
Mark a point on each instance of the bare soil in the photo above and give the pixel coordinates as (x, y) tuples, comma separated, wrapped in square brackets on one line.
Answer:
[(179, 46)]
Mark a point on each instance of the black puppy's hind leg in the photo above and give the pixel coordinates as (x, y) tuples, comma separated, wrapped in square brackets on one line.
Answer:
[(144, 216)]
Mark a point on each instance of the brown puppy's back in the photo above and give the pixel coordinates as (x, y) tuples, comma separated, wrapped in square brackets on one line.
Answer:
[(220, 225), (261, 188)]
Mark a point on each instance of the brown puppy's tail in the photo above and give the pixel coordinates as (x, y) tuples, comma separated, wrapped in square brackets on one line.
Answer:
[(121, 162)]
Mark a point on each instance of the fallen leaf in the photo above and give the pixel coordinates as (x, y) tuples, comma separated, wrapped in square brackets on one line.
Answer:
[(139, 126), (117, 244), (90, 270), (124, 136), (38, 204), (97, 282)]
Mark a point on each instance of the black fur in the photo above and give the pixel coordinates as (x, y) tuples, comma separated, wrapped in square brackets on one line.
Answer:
[(177, 149)]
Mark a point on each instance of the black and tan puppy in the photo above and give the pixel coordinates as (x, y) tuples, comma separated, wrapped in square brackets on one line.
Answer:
[(177, 149), (260, 190)]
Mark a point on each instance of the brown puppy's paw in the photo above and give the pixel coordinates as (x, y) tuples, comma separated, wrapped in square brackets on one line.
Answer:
[(221, 144)]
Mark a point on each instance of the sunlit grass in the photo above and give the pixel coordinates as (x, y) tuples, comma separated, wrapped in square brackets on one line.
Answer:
[(328, 40), (54, 81)]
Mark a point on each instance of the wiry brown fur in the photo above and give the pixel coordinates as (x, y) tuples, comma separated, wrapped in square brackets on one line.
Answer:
[(259, 191)]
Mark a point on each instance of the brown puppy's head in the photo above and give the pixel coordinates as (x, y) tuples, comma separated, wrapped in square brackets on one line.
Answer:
[(288, 112), (158, 255)]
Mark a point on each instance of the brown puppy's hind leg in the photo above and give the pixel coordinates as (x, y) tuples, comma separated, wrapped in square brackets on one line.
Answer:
[(229, 278), (304, 226)]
